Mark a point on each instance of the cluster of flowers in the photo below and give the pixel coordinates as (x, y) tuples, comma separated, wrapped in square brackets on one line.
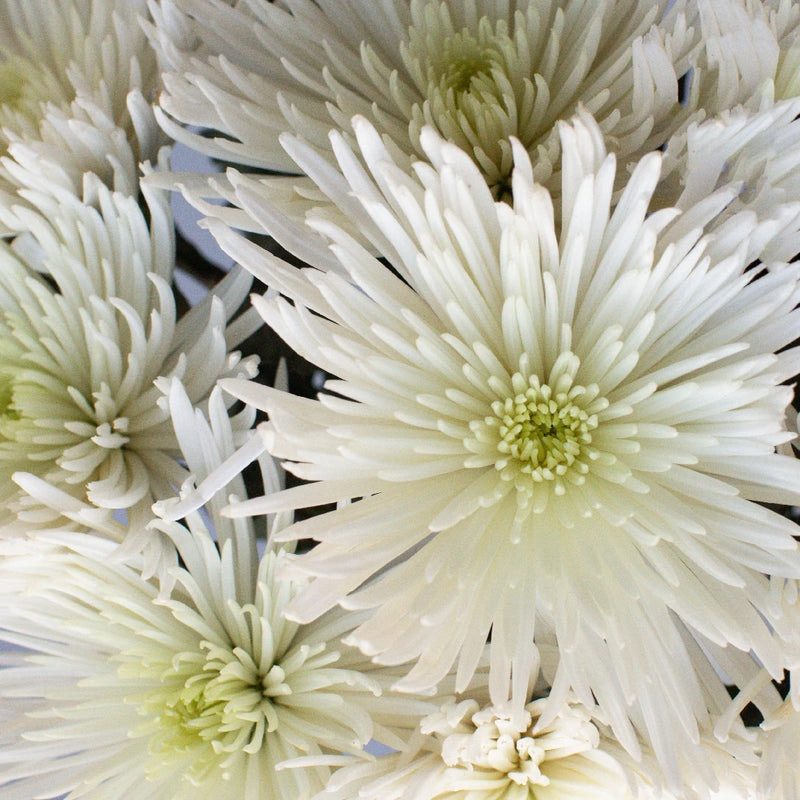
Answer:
[(544, 253)]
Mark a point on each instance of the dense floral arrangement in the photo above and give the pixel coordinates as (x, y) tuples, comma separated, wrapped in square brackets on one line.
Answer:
[(475, 477)]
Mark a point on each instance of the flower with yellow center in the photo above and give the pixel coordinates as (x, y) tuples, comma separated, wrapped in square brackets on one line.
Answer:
[(87, 325), (203, 693), (550, 424), (195, 688)]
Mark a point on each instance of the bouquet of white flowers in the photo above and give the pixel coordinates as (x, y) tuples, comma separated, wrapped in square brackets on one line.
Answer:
[(509, 509)]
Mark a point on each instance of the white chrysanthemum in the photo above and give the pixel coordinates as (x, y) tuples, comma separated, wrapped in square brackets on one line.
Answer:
[(77, 79), (478, 72), (551, 429), (87, 324), (756, 154), (745, 72), (466, 751), (200, 695)]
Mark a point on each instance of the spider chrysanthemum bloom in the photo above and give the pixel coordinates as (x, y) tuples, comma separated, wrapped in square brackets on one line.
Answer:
[(479, 73), (553, 428), (87, 324), (201, 695), (77, 79)]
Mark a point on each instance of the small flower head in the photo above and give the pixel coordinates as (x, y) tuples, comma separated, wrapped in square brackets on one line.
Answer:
[(77, 79), (88, 324), (487, 746), (470, 750)]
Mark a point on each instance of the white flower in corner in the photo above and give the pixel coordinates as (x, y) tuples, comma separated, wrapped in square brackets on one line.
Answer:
[(87, 324), (193, 687), (749, 53), (77, 79), (202, 694), (549, 428), (780, 737)]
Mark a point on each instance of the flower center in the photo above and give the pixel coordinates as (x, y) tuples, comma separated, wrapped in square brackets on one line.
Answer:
[(543, 430), (7, 409), (541, 433), (224, 705), (464, 66), (476, 85), (112, 436), (12, 82)]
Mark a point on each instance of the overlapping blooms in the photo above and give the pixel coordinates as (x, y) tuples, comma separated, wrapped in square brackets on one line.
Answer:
[(124, 692), (88, 323), (553, 429), (479, 73), (77, 82), (557, 419)]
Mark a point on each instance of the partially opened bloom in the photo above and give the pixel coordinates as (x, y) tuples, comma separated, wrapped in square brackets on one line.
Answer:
[(479, 73), (466, 751), (469, 751), (551, 429), (77, 79), (87, 324)]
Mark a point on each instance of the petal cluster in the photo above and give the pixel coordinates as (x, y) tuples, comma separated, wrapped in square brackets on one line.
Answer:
[(468, 751)]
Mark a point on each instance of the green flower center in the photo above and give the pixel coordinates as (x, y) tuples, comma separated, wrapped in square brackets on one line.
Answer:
[(7, 409), (540, 436), (543, 430), (465, 65), (224, 705), (12, 84), (476, 85)]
